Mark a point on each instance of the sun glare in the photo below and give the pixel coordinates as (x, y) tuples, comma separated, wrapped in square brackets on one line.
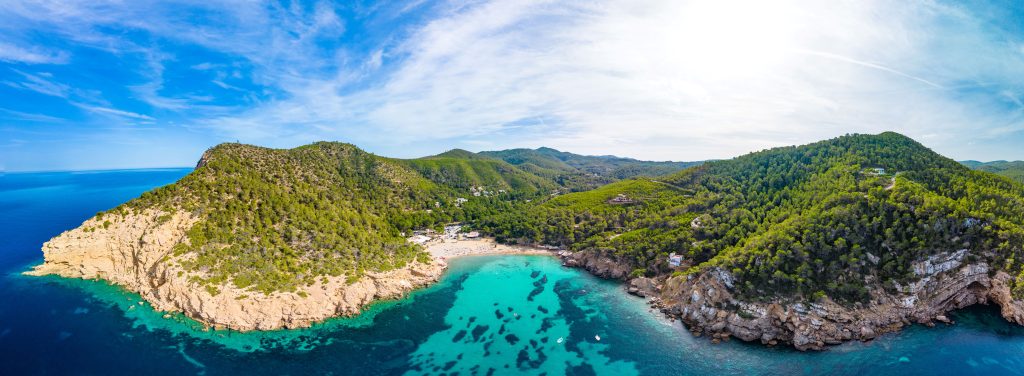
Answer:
[(733, 38)]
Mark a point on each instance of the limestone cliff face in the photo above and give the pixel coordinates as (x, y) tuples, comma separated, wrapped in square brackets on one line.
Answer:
[(597, 263), (706, 304), (134, 251)]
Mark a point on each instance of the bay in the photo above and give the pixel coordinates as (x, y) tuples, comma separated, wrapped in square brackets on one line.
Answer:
[(488, 315)]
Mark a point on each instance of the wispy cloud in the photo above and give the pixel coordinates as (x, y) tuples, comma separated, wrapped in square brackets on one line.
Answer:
[(33, 55), (33, 117), (883, 68), (629, 78), (655, 79), (41, 83), (114, 112)]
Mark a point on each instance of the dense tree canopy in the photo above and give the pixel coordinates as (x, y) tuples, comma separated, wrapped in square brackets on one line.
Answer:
[(1013, 170), (275, 220), (832, 218)]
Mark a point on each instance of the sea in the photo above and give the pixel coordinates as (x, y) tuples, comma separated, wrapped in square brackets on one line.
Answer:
[(489, 315)]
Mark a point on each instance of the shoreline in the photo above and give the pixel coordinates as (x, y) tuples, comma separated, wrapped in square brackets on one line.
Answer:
[(444, 250), (107, 254)]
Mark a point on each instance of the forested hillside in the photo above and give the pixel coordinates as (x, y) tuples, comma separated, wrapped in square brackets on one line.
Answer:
[(275, 220), (1013, 170), (832, 218), (582, 171)]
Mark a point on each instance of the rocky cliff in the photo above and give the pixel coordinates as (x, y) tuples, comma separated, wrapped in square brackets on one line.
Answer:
[(705, 303), (597, 263), (135, 251)]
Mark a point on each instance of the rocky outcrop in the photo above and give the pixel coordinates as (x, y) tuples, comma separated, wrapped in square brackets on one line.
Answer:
[(705, 302), (135, 251), (597, 263)]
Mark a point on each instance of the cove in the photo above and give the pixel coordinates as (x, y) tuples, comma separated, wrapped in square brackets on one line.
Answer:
[(500, 313)]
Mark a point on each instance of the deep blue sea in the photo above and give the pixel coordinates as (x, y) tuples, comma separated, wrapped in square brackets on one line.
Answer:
[(502, 315)]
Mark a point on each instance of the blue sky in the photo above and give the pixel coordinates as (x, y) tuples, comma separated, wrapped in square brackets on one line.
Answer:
[(124, 84)]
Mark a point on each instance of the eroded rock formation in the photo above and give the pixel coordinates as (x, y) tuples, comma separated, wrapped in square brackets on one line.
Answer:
[(705, 302), (135, 252)]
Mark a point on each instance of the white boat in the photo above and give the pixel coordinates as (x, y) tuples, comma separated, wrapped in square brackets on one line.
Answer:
[(597, 337), (560, 339)]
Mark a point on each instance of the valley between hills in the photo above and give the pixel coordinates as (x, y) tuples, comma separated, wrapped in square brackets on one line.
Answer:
[(809, 246)]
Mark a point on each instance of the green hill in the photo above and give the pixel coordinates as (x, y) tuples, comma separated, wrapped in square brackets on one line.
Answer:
[(799, 221), (274, 220), (464, 172), (818, 219), (606, 166), (582, 172), (1013, 170)]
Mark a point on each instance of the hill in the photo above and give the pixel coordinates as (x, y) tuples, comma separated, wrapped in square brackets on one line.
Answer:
[(258, 238), (606, 166), (847, 222), (276, 220), (253, 227), (1013, 170), (808, 245)]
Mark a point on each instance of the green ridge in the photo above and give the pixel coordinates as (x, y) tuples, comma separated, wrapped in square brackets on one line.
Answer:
[(803, 222), (1013, 170)]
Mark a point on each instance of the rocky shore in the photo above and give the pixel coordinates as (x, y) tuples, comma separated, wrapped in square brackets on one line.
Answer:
[(134, 251), (705, 303)]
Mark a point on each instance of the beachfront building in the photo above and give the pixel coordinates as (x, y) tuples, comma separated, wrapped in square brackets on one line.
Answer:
[(419, 239)]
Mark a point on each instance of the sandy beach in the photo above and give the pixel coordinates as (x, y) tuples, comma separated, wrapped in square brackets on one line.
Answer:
[(447, 249)]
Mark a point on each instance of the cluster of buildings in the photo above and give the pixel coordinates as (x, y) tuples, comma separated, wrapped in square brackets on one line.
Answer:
[(476, 192), (481, 191), (451, 232)]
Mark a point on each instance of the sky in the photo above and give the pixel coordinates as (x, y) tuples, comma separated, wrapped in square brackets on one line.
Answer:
[(132, 84)]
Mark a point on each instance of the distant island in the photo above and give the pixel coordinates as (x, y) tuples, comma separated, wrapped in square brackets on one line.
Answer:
[(812, 245)]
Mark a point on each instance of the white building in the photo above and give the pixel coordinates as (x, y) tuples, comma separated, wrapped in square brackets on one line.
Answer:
[(419, 239), (675, 260)]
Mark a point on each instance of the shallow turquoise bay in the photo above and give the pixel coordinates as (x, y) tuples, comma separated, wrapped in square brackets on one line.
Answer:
[(489, 315)]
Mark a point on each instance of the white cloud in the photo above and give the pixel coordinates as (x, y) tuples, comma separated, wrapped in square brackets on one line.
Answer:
[(41, 83), (31, 55), (114, 112), (33, 117), (667, 79)]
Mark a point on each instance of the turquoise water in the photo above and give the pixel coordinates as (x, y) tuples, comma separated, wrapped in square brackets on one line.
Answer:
[(489, 315)]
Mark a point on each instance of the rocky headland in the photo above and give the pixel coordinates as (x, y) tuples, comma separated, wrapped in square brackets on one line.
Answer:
[(135, 252), (705, 303)]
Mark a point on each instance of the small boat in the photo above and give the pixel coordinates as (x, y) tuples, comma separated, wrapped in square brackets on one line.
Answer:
[(560, 339), (598, 338)]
